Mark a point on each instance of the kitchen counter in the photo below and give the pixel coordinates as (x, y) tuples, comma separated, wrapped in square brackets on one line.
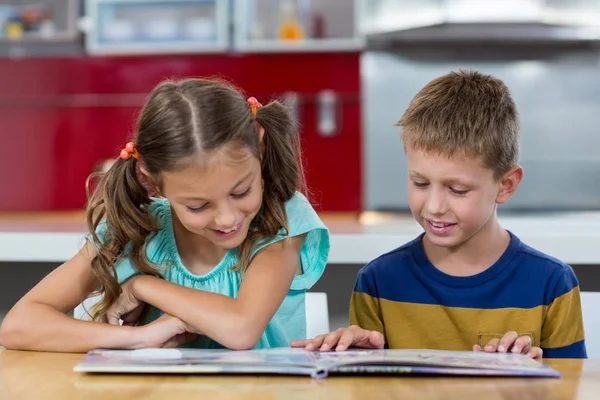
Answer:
[(572, 237)]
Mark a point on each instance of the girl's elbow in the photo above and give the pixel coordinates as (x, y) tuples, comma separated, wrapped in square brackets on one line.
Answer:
[(242, 337), (237, 332), (242, 342), (11, 336)]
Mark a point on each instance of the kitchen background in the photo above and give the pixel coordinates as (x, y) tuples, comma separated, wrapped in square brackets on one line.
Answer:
[(74, 73)]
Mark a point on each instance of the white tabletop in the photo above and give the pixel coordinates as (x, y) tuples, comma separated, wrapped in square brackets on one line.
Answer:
[(570, 237)]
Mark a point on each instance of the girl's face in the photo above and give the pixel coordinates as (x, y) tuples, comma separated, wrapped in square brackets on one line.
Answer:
[(218, 196)]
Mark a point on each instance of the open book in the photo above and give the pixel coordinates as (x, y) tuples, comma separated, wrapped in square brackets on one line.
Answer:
[(318, 365)]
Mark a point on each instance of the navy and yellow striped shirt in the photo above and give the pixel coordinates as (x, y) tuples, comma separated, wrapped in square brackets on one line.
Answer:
[(415, 305)]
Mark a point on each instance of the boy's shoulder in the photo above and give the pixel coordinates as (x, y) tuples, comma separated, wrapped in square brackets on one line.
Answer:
[(553, 276), (539, 261)]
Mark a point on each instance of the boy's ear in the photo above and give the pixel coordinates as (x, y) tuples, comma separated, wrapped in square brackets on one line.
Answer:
[(509, 184)]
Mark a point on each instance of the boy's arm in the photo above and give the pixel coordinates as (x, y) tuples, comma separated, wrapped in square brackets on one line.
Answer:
[(562, 330), (365, 310), (366, 330)]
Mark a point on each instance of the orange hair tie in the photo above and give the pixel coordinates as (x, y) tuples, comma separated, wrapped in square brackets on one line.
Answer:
[(254, 104), (130, 151)]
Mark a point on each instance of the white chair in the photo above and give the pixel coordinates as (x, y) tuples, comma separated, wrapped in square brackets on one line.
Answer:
[(590, 304), (80, 311), (317, 312)]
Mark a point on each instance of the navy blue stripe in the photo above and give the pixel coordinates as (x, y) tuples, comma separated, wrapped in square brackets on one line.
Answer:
[(522, 278), (575, 350)]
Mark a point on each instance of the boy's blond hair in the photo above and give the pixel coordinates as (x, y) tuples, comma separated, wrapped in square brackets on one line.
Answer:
[(465, 113)]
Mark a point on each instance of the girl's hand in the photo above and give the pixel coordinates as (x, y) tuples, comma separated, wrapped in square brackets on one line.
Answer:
[(127, 307), (166, 331)]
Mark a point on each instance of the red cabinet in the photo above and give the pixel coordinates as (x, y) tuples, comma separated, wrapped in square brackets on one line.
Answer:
[(60, 116)]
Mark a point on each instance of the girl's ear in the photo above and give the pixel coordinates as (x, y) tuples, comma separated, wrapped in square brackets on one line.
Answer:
[(152, 183), (261, 143), (145, 172)]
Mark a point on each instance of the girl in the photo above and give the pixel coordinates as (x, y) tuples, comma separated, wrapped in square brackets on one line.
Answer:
[(222, 253)]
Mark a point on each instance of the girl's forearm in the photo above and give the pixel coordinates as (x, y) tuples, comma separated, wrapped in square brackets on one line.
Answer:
[(39, 327), (217, 316)]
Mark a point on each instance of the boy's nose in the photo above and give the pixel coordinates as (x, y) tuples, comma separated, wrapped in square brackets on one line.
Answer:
[(436, 205)]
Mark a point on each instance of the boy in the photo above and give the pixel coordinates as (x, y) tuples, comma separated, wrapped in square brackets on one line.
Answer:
[(465, 283)]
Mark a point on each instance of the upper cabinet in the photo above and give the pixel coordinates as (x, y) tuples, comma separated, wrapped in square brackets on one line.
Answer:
[(200, 26), (32, 27), (156, 26), (296, 25)]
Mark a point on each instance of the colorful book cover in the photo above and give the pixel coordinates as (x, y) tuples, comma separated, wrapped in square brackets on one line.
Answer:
[(289, 361)]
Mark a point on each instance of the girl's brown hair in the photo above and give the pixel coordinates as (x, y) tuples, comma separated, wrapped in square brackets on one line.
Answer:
[(180, 121)]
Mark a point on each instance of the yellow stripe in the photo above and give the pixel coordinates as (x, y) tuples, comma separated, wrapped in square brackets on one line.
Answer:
[(413, 325), (564, 322), (410, 325)]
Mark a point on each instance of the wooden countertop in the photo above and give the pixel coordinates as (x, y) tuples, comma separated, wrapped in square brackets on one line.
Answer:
[(32, 375)]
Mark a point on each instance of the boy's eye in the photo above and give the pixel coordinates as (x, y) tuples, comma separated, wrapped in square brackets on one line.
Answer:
[(459, 192), (420, 184), (241, 195)]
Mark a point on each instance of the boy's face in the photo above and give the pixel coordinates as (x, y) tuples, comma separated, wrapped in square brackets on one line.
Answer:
[(454, 198)]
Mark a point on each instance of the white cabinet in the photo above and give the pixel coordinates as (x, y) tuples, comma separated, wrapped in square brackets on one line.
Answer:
[(297, 25), (156, 26)]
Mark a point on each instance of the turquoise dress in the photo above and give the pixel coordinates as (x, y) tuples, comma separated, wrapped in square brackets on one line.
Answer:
[(289, 322)]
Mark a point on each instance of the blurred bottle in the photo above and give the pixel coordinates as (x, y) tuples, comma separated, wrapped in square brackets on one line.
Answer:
[(318, 26), (290, 27), (14, 29)]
